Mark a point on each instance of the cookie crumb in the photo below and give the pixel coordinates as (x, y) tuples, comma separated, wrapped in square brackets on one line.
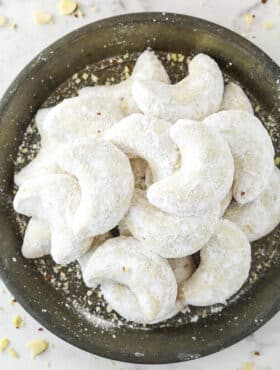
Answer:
[(13, 26), (3, 20), (248, 366), (13, 352), (109, 308), (37, 347), (268, 25), (277, 161), (67, 7), (17, 321), (174, 57), (4, 342), (249, 18), (41, 18), (94, 78), (181, 58)]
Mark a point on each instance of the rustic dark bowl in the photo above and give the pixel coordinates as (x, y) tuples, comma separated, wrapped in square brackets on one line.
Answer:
[(90, 44)]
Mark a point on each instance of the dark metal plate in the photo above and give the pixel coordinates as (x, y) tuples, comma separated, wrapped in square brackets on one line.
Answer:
[(182, 338)]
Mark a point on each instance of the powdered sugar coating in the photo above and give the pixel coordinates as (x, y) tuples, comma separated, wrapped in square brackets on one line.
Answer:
[(235, 98), (148, 138), (147, 67), (149, 277), (123, 301), (205, 175), (257, 218), (80, 117), (224, 267), (169, 235), (54, 199), (195, 97), (106, 181), (251, 148), (37, 239)]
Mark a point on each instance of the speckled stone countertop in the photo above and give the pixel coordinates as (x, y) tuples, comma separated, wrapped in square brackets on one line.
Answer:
[(20, 41)]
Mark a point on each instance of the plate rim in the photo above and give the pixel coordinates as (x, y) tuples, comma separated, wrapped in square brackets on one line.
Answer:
[(9, 94)]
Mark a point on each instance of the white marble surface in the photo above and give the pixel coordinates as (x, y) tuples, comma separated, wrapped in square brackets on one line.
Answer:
[(18, 46)]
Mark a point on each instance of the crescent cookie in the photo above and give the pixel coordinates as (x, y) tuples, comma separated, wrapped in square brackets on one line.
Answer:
[(148, 277), (195, 97), (123, 301), (147, 67), (205, 175), (148, 138), (259, 217), (169, 235), (235, 98), (251, 148), (106, 181), (224, 267), (54, 199)]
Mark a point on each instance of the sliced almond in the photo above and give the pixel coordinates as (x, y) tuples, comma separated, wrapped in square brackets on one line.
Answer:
[(41, 18), (248, 366), (268, 25), (3, 20), (17, 321), (37, 347), (13, 352), (4, 342), (249, 18), (67, 7)]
